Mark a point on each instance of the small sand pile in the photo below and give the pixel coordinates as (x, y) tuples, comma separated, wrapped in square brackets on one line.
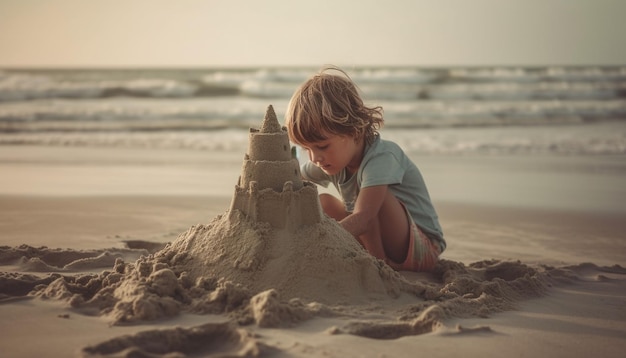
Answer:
[(209, 340), (44, 259)]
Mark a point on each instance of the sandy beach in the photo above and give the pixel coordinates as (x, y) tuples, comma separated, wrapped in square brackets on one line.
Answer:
[(550, 227)]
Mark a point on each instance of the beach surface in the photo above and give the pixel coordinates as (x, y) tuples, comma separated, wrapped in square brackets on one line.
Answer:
[(552, 221)]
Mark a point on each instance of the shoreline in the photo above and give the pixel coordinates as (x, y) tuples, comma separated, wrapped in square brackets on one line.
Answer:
[(588, 183)]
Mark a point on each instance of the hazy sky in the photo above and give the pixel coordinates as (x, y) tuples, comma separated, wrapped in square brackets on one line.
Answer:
[(293, 32)]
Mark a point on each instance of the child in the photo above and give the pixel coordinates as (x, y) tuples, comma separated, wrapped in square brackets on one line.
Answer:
[(385, 204)]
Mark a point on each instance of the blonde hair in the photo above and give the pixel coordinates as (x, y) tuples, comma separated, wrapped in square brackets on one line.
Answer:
[(329, 104)]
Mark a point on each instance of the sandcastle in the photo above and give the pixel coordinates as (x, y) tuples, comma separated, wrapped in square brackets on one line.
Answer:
[(275, 235), (273, 256), (270, 188)]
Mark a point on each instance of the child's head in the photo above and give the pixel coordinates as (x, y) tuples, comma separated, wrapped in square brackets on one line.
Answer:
[(329, 104)]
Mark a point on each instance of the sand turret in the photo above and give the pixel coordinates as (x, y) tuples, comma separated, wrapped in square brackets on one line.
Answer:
[(270, 188)]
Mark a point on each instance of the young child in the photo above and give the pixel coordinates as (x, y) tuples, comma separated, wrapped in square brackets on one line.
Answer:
[(385, 204)]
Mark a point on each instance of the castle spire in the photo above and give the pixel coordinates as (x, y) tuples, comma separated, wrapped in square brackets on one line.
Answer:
[(270, 123)]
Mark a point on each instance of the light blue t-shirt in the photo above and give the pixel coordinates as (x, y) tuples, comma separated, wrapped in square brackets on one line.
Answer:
[(385, 163)]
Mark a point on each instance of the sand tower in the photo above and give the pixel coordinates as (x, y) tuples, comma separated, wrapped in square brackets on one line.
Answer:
[(270, 188)]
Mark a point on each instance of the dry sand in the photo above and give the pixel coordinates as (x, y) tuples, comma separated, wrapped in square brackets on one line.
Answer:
[(520, 280)]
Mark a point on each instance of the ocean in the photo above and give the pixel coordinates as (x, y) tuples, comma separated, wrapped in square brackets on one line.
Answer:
[(486, 110)]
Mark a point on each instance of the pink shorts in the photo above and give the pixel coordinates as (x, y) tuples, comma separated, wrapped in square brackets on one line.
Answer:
[(423, 253)]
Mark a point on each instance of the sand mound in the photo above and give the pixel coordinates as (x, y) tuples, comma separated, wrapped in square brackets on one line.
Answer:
[(272, 278), (232, 265), (151, 288), (320, 263)]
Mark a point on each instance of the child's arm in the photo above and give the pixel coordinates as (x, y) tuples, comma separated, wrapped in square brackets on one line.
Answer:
[(366, 209)]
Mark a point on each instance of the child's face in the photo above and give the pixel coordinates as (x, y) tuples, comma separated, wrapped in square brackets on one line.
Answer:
[(335, 153)]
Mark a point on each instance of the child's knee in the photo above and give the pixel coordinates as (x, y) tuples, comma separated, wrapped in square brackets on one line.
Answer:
[(332, 206)]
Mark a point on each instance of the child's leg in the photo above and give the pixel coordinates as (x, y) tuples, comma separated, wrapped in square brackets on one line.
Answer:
[(333, 207), (423, 254), (391, 231), (394, 237)]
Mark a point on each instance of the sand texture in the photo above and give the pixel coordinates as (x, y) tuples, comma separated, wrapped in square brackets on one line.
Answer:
[(90, 270), (375, 302)]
